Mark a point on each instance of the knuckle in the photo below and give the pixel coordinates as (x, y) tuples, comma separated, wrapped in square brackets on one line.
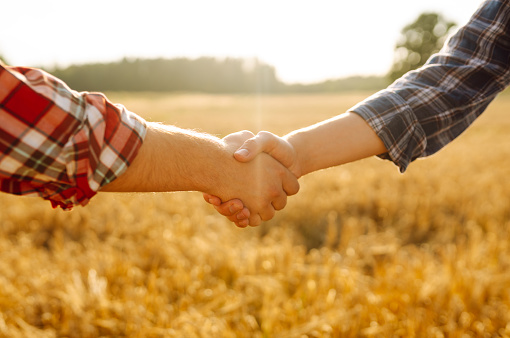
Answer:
[(282, 171), (274, 193), (250, 142), (241, 224), (246, 133), (264, 134), (295, 189), (268, 215), (269, 139), (255, 221), (281, 204), (221, 210)]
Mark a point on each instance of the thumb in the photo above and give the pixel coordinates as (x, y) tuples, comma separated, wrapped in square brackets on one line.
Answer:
[(211, 199), (279, 148), (263, 142), (249, 150)]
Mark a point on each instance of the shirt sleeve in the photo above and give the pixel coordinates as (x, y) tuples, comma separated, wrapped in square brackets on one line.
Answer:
[(60, 144), (426, 109)]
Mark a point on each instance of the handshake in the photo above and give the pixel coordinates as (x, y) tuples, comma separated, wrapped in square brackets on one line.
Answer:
[(249, 186), (277, 168), (277, 162)]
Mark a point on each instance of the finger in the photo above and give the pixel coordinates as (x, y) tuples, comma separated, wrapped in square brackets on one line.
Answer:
[(238, 137), (243, 214), (233, 218), (214, 200), (280, 202), (255, 220), (277, 147), (230, 208), (267, 213), (290, 183), (263, 142), (248, 151), (239, 216), (242, 224)]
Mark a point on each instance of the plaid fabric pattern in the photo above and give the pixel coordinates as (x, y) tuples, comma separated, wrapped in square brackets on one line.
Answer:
[(60, 144), (426, 109)]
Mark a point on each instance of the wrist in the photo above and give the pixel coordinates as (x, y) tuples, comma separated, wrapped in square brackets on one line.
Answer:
[(300, 167), (216, 170)]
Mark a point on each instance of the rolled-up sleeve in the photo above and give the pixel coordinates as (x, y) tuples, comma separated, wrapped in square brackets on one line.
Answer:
[(427, 108), (59, 144)]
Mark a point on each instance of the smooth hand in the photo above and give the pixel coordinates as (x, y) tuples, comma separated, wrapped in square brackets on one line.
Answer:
[(279, 148), (265, 142)]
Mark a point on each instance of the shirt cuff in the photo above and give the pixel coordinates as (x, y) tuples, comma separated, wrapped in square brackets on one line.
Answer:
[(60, 144), (394, 121), (104, 146)]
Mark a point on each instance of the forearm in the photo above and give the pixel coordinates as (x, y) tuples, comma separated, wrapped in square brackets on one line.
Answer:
[(172, 159), (342, 139)]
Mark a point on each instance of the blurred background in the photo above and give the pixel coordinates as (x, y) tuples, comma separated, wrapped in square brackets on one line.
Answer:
[(361, 251), (289, 42)]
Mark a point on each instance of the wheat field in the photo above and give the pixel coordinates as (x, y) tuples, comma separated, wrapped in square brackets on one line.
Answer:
[(361, 251)]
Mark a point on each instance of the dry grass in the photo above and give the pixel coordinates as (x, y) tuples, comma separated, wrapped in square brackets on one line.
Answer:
[(360, 251)]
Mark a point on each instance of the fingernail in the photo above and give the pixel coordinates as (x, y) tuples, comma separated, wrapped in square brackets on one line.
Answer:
[(233, 208), (242, 152), (214, 202)]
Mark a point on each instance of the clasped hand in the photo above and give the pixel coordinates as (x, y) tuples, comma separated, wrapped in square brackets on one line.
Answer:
[(277, 173)]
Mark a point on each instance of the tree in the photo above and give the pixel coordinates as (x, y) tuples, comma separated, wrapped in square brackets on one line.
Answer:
[(205, 74), (418, 41)]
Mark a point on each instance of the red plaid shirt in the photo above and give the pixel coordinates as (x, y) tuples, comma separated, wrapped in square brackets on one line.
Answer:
[(60, 144)]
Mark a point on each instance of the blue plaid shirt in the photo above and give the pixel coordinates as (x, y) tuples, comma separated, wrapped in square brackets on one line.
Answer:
[(427, 108)]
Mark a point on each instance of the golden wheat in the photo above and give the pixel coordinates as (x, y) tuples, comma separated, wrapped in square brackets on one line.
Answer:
[(361, 251)]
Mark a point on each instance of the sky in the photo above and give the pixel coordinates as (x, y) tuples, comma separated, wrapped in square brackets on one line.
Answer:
[(306, 41)]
